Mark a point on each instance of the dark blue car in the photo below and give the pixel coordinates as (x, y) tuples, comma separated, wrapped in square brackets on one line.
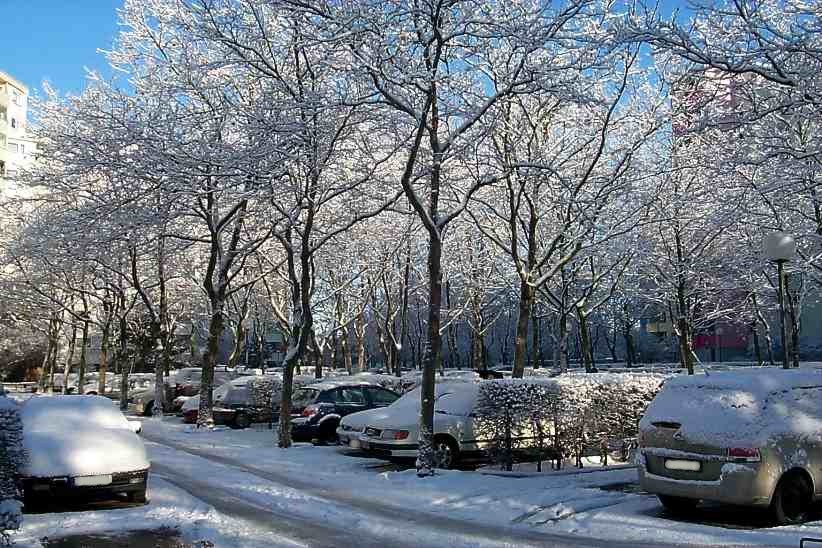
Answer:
[(316, 410)]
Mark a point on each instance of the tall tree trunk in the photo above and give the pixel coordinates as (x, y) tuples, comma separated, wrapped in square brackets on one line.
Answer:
[(344, 341), (69, 358), (562, 349), (526, 300), (432, 359), (359, 334), (81, 377), (585, 341), (123, 362), (104, 348), (215, 331), (757, 346)]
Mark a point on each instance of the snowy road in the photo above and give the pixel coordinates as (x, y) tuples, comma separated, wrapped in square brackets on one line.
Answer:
[(301, 513)]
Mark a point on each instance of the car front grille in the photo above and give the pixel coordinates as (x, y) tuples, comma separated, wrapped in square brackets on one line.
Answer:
[(372, 432)]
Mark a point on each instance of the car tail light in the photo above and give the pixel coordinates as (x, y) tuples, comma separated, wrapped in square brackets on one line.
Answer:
[(310, 411), (744, 454)]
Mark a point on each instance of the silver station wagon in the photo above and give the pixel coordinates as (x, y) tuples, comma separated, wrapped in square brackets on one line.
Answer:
[(750, 438)]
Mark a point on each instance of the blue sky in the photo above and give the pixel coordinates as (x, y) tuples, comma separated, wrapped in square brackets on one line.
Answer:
[(54, 39)]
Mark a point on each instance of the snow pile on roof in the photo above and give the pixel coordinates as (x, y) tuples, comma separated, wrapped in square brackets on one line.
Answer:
[(745, 407), (12, 460), (70, 412), (78, 436)]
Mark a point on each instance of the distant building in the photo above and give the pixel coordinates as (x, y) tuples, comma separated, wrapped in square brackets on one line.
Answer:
[(17, 148)]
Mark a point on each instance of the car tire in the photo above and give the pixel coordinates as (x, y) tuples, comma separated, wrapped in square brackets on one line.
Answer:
[(327, 434), (446, 452), (31, 502), (677, 505), (139, 497), (791, 500), (241, 421), (148, 410)]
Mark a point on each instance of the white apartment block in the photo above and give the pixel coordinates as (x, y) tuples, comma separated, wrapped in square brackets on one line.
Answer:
[(17, 149)]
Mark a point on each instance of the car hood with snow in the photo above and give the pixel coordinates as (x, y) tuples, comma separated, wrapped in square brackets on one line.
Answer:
[(79, 436)]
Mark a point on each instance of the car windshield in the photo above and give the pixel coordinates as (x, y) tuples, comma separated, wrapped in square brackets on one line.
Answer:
[(304, 396), (452, 398)]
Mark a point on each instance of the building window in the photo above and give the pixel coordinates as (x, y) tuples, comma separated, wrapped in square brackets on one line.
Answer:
[(22, 148), (13, 147), (13, 123)]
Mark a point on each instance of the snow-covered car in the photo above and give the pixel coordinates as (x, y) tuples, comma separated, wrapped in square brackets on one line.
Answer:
[(394, 431), (244, 401), (81, 446), (318, 408), (751, 438)]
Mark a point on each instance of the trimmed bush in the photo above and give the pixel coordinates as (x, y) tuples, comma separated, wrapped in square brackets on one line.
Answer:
[(12, 460)]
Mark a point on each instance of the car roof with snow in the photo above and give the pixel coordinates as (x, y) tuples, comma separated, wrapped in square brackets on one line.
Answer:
[(337, 383), (70, 413), (754, 406)]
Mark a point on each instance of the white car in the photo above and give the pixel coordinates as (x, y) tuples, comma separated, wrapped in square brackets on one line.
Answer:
[(393, 431), (81, 446)]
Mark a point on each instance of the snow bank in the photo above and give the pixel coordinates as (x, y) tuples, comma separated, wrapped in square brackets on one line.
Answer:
[(747, 407)]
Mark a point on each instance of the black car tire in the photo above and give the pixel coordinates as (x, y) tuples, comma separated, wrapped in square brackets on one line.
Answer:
[(677, 505), (31, 501), (241, 421), (791, 500), (446, 452), (138, 497), (148, 410), (328, 433)]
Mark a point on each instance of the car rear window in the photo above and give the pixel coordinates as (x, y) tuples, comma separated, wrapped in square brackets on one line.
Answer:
[(723, 415), (303, 397)]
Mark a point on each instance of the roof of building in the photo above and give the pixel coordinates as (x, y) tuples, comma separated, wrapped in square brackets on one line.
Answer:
[(7, 78)]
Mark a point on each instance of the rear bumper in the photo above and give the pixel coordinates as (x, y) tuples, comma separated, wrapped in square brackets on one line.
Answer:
[(745, 484), (124, 482)]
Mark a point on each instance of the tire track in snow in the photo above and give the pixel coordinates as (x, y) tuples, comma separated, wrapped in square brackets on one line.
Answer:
[(473, 534)]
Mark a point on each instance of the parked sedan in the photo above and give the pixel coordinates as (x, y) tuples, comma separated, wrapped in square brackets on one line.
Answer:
[(394, 433), (81, 446), (318, 408)]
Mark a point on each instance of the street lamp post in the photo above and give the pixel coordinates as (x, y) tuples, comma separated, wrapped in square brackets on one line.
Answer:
[(780, 248)]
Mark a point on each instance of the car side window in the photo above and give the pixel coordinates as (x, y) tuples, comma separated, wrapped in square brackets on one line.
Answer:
[(351, 395), (380, 396)]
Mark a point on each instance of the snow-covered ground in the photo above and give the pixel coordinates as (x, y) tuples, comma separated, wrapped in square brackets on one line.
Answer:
[(240, 479), (170, 508), (562, 503)]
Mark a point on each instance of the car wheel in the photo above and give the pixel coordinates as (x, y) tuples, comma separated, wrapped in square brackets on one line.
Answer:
[(791, 500), (31, 502), (446, 452), (139, 497), (678, 505), (148, 410), (328, 432), (241, 421)]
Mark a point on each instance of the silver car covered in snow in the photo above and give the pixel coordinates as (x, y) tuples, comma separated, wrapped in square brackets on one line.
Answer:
[(749, 438)]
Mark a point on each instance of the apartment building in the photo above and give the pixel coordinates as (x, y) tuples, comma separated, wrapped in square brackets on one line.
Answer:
[(17, 149)]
